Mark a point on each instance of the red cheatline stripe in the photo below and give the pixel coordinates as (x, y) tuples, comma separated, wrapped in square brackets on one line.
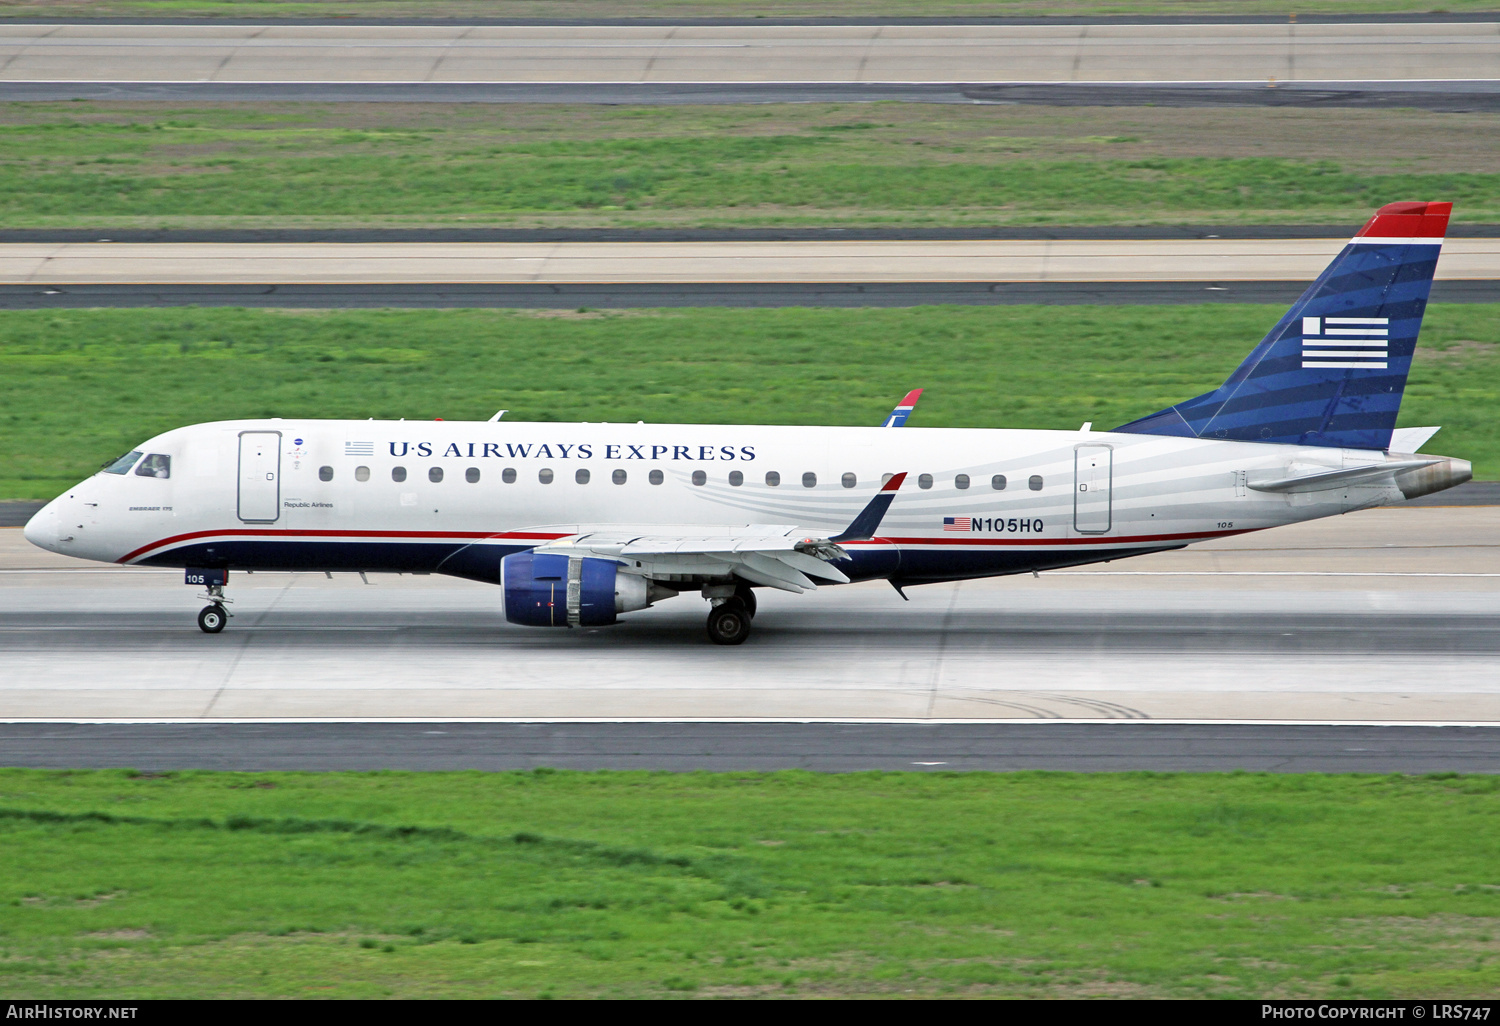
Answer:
[(273, 533), (1090, 540), (1096, 540)]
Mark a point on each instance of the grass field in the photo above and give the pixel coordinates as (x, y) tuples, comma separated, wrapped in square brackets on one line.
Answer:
[(154, 165), (625, 884), (590, 9), (80, 387)]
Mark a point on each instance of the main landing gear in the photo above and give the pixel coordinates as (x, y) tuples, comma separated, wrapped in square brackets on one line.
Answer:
[(729, 619), (213, 617)]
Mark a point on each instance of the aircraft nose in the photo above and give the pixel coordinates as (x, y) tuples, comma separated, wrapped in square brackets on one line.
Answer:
[(41, 529)]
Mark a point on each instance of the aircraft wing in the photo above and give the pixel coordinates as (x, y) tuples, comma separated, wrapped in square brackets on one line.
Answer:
[(779, 556)]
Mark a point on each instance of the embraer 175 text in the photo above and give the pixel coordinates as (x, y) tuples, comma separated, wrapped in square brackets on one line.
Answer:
[(579, 523)]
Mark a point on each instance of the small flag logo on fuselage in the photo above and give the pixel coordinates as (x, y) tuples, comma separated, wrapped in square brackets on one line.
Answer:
[(1348, 343), (958, 523)]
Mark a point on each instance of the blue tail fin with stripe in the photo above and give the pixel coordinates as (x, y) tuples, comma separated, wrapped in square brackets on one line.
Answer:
[(1333, 370)]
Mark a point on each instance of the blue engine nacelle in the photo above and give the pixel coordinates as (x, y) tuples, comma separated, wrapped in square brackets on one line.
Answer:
[(553, 590)]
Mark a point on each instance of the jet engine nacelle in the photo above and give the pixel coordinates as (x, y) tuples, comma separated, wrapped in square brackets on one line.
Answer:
[(554, 590)]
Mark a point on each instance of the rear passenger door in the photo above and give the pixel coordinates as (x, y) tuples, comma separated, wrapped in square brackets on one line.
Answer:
[(1093, 469)]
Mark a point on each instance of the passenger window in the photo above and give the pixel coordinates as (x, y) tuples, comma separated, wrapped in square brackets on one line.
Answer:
[(772, 478), (961, 481), (123, 464), (508, 475), (699, 477), (998, 482), (655, 477), (618, 477), (581, 476), (472, 475), (435, 474), (361, 473), (849, 481), (736, 478), (155, 465), (925, 481), (325, 473), (398, 473), (809, 480), (544, 476), (1035, 482)]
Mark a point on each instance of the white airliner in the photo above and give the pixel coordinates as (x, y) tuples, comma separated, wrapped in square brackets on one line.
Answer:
[(579, 523)]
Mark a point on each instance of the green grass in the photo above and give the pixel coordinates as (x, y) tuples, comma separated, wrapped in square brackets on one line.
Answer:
[(80, 387), (627, 884), (585, 9), (102, 165)]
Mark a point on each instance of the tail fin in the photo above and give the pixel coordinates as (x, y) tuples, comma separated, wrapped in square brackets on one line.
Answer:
[(1334, 368)]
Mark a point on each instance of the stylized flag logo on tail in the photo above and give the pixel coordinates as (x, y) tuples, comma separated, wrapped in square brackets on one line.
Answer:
[(1345, 343)]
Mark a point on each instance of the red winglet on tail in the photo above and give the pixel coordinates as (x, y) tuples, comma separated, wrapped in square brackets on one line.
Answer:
[(1426, 222)]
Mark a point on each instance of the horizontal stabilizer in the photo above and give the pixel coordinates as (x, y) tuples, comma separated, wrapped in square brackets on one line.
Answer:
[(1411, 439)]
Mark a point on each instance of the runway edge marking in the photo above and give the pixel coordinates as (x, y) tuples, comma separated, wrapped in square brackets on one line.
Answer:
[(1490, 724)]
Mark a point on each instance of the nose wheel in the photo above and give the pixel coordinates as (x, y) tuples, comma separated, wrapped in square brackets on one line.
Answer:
[(729, 623), (211, 619)]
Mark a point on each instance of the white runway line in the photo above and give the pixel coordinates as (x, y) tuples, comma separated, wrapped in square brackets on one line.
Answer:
[(850, 720)]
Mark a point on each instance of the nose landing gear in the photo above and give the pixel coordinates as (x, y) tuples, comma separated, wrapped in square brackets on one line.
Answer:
[(213, 617)]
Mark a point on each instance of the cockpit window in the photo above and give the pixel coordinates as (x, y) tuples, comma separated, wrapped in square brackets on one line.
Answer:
[(155, 465), (123, 464)]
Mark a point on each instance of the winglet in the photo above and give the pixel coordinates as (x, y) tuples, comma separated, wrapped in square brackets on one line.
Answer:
[(903, 409), (868, 522)]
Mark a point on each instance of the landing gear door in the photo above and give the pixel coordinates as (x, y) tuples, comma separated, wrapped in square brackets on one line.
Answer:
[(1093, 469), (260, 476)]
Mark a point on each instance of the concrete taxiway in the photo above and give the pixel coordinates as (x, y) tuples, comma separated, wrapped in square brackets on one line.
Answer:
[(695, 54), (786, 262), (1382, 616)]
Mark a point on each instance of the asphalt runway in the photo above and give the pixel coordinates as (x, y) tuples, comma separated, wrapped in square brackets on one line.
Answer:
[(1386, 616), (846, 53), (721, 747), (626, 295)]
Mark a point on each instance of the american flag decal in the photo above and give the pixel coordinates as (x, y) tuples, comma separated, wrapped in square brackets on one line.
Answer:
[(359, 448), (1348, 343), (958, 523)]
